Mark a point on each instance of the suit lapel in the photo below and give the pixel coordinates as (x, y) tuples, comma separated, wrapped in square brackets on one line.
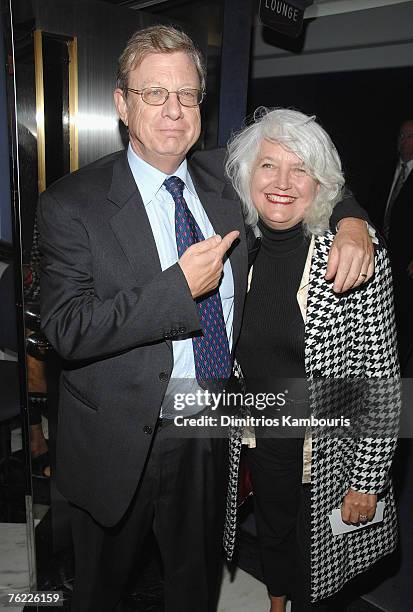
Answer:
[(131, 224), (408, 184), (225, 216)]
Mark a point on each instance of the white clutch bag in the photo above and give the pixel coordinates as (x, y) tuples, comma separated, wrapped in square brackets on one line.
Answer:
[(338, 527)]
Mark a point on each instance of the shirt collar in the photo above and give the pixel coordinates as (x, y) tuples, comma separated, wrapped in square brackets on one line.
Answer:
[(409, 165), (149, 179)]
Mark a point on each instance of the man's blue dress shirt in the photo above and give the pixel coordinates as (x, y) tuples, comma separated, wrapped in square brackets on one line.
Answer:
[(160, 209)]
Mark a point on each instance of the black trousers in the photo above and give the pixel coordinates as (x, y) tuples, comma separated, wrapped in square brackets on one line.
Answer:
[(181, 497), (283, 517)]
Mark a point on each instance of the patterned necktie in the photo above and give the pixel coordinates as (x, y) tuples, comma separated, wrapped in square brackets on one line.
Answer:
[(211, 350), (393, 197)]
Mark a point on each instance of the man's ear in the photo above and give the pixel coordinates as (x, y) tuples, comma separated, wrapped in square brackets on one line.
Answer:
[(121, 105)]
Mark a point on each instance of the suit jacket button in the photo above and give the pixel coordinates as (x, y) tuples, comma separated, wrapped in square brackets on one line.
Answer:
[(163, 376), (147, 430)]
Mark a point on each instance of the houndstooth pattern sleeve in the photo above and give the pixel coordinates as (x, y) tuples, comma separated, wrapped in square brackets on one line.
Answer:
[(235, 445), (351, 362), (382, 395)]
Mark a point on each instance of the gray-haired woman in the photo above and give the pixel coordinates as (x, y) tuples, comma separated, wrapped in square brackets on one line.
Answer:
[(288, 175)]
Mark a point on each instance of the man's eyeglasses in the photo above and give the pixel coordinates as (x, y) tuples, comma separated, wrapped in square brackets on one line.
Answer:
[(156, 96)]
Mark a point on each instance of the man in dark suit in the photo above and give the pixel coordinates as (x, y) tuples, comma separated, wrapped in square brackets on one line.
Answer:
[(393, 200), (138, 292)]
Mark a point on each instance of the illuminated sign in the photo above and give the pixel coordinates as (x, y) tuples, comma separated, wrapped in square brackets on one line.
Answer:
[(284, 17)]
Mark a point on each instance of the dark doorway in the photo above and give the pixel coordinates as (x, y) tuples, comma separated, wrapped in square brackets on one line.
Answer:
[(56, 107)]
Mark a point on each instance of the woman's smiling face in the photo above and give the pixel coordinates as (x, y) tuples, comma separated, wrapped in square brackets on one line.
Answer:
[(281, 189)]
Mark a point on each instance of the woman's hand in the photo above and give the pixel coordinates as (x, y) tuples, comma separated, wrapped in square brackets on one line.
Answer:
[(358, 507)]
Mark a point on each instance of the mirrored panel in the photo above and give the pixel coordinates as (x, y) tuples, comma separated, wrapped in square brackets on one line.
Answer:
[(17, 560)]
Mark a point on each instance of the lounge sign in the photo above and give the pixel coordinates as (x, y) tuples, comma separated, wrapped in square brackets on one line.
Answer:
[(284, 17)]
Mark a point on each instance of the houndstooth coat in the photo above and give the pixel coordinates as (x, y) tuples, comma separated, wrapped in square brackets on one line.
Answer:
[(351, 336)]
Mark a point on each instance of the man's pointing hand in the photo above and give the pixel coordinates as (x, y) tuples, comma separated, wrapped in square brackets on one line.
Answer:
[(202, 263)]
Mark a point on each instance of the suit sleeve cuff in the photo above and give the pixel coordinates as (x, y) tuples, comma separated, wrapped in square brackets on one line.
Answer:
[(347, 207)]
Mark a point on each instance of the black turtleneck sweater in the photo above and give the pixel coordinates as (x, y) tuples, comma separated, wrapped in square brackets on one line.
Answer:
[(271, 344)]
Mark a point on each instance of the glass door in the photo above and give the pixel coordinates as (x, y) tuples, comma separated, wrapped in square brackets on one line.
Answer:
[(17, 558)]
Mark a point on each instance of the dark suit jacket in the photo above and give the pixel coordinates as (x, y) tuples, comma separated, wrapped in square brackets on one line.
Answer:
[(399, 240), (110, 312), (400, 249), (401, 224)]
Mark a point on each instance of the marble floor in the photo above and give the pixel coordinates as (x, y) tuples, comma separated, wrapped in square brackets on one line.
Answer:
[(243, 593), (239, 593), (14, 564), (14, 556)]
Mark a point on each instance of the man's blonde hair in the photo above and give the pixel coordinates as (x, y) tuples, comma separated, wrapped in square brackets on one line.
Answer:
[(157, 39)]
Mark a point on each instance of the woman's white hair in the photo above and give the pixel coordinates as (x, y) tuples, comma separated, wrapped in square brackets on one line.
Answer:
[(300, 134)]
